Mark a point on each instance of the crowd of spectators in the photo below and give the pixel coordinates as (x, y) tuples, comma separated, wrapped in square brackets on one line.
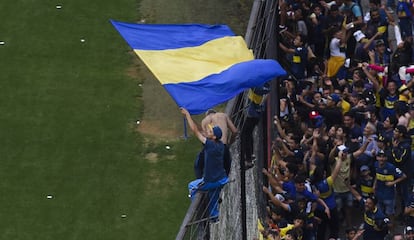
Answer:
[(346, 122)]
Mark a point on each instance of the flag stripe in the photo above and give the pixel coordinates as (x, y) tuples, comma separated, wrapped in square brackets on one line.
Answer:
[(169, 36), (218, 88), (200, 66), (195, 63)]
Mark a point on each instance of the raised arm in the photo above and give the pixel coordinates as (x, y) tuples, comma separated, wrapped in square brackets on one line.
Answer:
[(286, 49), (276, 154), (316, 135), (274, 200), (279, 128), (273, 181), (390, 18), (369, 42), (372, 78), (337, 166), (332, 153), (192, 125), (362, 148)]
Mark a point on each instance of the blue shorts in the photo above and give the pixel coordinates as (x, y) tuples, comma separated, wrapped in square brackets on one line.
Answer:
[(213, 190), (199, 184)]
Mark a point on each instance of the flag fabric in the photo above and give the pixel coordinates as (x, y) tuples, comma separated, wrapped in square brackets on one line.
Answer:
[(200, 66)]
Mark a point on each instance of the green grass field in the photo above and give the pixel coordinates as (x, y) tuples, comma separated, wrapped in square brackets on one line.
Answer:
[(73, 163)]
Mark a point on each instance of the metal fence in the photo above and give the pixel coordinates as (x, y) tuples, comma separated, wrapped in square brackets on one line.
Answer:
[(261, 37), (196, 222)]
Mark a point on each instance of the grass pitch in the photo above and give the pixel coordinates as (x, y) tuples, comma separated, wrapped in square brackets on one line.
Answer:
[(73, 165)]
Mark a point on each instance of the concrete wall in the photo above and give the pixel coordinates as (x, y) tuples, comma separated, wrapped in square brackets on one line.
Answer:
[(260, 37), (230, 224)]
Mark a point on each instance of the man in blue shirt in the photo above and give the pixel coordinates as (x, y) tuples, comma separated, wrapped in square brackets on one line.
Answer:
[(214, 174), (298, 56), (255, 110), (375, 221), (387, 176)]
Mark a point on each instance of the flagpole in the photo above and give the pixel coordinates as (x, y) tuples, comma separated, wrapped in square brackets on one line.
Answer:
[(185, 128)]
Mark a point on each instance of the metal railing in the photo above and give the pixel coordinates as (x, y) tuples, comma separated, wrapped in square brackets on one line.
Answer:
[(191, 224), (261, 37), (197, 220)]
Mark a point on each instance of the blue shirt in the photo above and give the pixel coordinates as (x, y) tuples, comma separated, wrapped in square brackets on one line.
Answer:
[(371, 220), (213, 161), (326, 193), (353, 8), (256, 100), (387, 103), (307, 195), (298, 62), (289, 187), (365, 186), (386, 174)]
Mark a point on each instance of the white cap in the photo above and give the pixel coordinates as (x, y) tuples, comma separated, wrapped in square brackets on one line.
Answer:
[(358, 35)]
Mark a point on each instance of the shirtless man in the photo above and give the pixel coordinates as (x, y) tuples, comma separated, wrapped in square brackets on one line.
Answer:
[(220, 119)]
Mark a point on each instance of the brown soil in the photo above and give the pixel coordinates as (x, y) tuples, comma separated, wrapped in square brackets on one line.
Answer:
[(155, 129), (152, 157), (161, 117)]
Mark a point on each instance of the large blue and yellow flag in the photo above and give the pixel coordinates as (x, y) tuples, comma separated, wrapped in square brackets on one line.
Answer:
[(200, 66)]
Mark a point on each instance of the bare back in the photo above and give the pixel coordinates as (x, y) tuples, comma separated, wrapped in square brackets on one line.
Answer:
[(219, 119)]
